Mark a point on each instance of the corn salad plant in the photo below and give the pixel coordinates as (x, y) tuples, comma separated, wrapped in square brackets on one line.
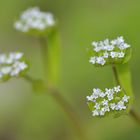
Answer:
[(114, 101), (44, 27), (118, 100)]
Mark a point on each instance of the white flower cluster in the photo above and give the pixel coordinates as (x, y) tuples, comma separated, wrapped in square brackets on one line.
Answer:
[(12, 64), (104, 50), (33, 18), (109, 100)]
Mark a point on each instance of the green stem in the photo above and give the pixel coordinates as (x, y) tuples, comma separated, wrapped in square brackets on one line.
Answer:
[(135, 115), (69, 111), (50, 51), (66, 107), (132, 112), (44, 51), (115, 74), (50, 56)]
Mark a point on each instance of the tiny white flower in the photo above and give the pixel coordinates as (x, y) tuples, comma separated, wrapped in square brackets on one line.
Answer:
[(100, 60), (120, 40), (121, 45), (97, 90), (95, 44), (97, 49), (126, 46), (113, 54), (20, 65), (102, 112), (102, 94), (106, 42), (109, 91), (106, 108), (120, 105), (121, 55), (92, 60), (2, 58), (125, 98), (109, 48), (112, 106), (19, 55), (97, 106), (105, 102), (96, 93), (117, 89), (9, 61), (110, 97), (94, 101), (15, 72), (89, 98), (114, 42), (101, 44), (95, 113), (105, 55), (6, 70)]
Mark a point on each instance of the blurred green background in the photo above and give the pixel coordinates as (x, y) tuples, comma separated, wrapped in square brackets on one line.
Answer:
[(28, 116)]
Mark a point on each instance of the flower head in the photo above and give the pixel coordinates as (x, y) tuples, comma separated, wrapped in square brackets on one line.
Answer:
[(110, 51), (34, 20), (114, 100), (12, 65)]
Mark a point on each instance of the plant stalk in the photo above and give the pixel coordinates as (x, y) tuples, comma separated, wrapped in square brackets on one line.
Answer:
[(132, 112), (56, 95), (65, 105), (115, 74), (69, 111), (135, 115), (44, 50)]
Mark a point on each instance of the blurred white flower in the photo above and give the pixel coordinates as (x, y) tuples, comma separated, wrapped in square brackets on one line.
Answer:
[(12, 64), (33, 18)]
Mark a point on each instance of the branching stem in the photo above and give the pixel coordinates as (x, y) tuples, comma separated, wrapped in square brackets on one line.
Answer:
[(69, 111), (60, 100), (66, 107)]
